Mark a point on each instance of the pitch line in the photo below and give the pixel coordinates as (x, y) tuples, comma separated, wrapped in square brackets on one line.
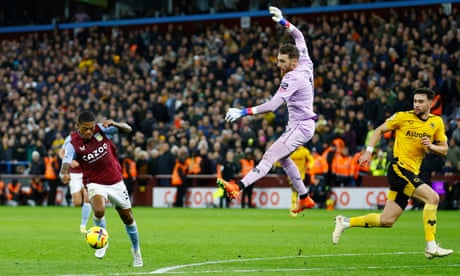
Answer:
[(171, 269)]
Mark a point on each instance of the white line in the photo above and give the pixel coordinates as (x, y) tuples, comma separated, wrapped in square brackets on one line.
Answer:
[(312, 269), (172, 268)]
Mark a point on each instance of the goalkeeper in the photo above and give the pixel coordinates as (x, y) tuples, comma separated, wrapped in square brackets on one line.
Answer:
[(296, 90)]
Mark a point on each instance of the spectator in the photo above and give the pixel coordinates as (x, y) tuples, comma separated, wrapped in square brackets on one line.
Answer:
[(179, 177), (51, 173), (319, 191), (142, 167), (246, 165), (2, 192), (165, 163), (378, 163), (36, 165), (15, 195), (38, 193)]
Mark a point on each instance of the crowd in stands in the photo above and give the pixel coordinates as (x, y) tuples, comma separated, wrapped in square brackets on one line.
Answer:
[(50, 12), (174, 88)]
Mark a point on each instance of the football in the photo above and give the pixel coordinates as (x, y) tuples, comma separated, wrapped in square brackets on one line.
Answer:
[(97, 237)]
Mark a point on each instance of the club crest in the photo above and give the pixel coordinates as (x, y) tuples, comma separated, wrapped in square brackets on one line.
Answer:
[(98, 137)]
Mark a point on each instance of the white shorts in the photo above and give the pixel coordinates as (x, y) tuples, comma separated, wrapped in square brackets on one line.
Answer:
[(76, 182), (116, 193)]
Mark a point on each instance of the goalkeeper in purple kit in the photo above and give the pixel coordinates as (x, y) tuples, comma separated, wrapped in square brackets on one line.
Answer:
[(296, 90)]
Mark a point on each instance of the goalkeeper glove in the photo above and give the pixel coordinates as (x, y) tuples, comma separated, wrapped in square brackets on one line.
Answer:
[(234, 114), (277, 16)]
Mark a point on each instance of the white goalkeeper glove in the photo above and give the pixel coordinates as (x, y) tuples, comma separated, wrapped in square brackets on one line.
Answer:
[(233, 114), (277, 16)]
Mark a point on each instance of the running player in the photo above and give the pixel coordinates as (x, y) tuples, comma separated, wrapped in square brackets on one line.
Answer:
[(417, 132), (96, 155)]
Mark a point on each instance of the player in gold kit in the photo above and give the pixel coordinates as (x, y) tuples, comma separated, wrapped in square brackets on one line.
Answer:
[(416, 133)]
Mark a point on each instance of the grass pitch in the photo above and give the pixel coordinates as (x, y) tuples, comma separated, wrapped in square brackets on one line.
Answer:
[(46, 241)]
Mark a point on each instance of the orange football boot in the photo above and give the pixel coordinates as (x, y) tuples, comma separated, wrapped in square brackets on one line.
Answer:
[(231, 188)]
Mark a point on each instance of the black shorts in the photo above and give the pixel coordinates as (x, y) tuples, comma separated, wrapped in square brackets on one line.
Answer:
[(402, 184)]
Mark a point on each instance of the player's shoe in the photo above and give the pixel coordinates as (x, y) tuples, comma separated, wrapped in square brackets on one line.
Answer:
[(292, 214), (100, 253), (232, 189), (339, 228), (137, 258), (83, 229), (303, 204), (437, 252)]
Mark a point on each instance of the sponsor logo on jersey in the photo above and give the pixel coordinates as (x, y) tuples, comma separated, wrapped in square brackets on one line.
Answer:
[(412, 133), (283, 86), (96, 153)]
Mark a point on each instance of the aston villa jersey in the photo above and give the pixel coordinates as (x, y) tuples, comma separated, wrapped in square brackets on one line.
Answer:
[(96, 156)]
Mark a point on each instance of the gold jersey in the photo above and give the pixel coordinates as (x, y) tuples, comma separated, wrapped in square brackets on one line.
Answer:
[(409, 129), (302, 157)]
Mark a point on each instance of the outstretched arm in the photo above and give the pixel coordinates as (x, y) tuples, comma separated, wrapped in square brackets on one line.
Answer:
[(295, 33), (123, 127)]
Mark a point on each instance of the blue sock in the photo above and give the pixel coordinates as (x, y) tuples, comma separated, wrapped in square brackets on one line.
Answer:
[(133, 235), (100, 222), (85, 211)]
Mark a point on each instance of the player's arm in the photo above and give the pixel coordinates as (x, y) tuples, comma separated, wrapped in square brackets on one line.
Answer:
[(293, 31), (366, 156), (439, 144), (438, 148), (121, 126), (234, 113), (68, 153)]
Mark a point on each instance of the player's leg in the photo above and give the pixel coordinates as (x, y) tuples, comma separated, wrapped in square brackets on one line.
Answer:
[(80, 198), (85, 209), (426, 194), (390, 214), (97, 197), (400, 190), (119, 196), (294, 195), (275, 152)]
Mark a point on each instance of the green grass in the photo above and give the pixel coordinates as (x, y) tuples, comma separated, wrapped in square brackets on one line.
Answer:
[(46, 241)]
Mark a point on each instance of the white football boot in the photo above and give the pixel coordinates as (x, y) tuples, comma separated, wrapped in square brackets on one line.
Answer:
[(437, 252), (100, 253), (137, 258), (339, 228)]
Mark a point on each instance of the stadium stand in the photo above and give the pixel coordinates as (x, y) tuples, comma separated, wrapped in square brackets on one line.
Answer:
[(172, 77)]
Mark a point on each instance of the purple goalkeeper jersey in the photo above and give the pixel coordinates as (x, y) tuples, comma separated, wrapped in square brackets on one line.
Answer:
[(296, 88), (97, 157)]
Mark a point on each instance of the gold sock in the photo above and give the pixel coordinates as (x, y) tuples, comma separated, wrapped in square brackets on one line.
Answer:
[(369, 220), (294, 200), (429, 221)]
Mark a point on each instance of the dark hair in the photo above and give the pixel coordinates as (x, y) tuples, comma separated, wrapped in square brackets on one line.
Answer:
[(85, 117), (290, 50), (425, 90)]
